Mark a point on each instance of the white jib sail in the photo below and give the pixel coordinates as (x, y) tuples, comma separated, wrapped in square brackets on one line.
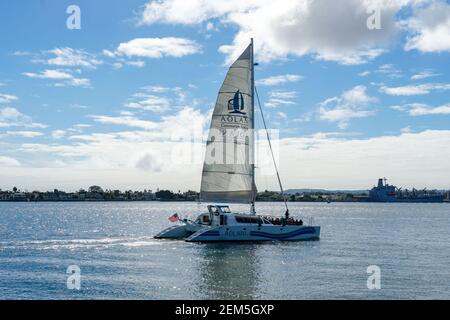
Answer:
[(228, 170)]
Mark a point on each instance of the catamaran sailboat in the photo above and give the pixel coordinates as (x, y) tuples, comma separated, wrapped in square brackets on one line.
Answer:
[(229, 172)]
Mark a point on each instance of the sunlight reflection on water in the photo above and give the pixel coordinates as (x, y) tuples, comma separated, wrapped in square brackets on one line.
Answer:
[(113, 245)]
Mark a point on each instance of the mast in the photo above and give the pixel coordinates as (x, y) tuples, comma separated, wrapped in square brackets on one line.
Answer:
[(252, 137)]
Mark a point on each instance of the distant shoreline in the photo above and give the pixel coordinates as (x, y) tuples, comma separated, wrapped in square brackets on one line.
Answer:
[(280, 201), (97, 194)]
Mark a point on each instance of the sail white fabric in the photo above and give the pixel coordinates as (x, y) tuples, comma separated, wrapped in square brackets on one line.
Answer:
[(228, 170)]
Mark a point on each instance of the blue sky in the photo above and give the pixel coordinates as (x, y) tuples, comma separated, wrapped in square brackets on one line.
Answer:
[(102, 104)]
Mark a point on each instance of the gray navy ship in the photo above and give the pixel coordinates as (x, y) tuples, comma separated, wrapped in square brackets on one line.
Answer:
[(384, 192)]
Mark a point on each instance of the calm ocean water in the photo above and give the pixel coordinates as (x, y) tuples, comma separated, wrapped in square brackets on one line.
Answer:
[(112, 244)]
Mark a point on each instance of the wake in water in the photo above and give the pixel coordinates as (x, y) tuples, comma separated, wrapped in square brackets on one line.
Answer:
[(57, 244)]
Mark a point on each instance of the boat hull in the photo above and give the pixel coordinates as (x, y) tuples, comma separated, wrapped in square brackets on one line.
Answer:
[(178, 232), (256, 233)]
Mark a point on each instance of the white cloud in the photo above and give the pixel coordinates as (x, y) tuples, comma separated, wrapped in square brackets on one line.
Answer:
[(414, 90), (23, 134), (357, 96), (7, 98), (182, 124), (152, 48), (49, 74), (78, 106), (11, 117), (389, 70), (414, 160), (282, 115), (129, 121), (108, 53), (158, 89), (111, 161), (279, 79), (137, 64), (423, 75), (158, 47), (158, 99), (406, 129), (77, 128), (274, 103), (82, 125), (68, 57), (149, 162), (351, 104), (405, 90), (80, 82), (163, 146), (20, 53), (117, 65), (73, 60), (58, 134), (283, 94), (210, 26), (343, 115), (8, 162), (429, 28), (364, 73), (126, 113), (306, 117), (175, 12), (60, 75), (328, 30), (420, 109), (278, 98), (150, 103)]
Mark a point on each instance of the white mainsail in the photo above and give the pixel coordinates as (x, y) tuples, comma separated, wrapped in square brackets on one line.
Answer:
[(228, 171)]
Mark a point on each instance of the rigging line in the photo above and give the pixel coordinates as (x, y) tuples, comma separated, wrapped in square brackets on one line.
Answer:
[(271, 150)]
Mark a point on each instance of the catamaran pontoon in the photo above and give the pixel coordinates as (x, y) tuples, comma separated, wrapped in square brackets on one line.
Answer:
[(229, 171)]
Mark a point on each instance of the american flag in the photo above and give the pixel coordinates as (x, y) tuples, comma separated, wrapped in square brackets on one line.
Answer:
[(174, 217)]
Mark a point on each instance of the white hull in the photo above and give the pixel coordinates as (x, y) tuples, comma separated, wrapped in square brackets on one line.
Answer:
[(179, 231), (255, 233), (192, 233)]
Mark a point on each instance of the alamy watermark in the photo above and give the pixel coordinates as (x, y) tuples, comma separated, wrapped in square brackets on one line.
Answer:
[(373, 22), (227, 146), (74, 279), (73, 22), (374, 279)]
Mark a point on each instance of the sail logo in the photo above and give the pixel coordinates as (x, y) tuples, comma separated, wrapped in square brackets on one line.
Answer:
[(236, 118), (236, 104)]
